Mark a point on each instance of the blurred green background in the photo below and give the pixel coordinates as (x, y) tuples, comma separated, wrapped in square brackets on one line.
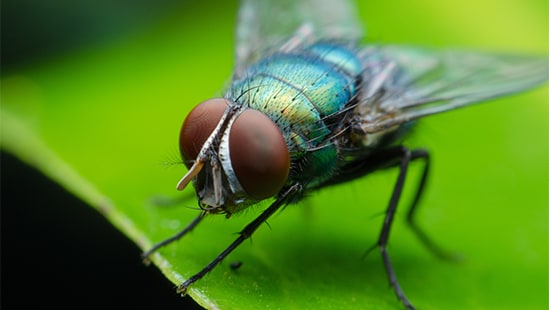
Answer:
[(93, 95)]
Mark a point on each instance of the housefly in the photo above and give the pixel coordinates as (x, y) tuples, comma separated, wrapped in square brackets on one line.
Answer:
[(309, 106)]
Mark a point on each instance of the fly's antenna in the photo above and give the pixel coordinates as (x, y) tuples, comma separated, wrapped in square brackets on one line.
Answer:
[(203, 155), (195, 169)]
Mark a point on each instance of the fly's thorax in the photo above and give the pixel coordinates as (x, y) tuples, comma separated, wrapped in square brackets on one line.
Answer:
[(236, 155), (312, 164), (303, 92)]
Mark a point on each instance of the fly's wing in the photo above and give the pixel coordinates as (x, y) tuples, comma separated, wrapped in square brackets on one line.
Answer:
[(406, 83), (268, 25)]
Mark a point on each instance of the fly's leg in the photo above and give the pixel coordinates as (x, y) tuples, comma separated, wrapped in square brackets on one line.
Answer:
[(188, 228), (420, 233), (285, 198), (406, 156)]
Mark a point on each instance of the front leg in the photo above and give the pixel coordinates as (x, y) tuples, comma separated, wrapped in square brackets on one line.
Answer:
[(284, 199)]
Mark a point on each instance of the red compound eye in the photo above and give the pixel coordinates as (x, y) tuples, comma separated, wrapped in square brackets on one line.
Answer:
[(198, 126), (259, 154)]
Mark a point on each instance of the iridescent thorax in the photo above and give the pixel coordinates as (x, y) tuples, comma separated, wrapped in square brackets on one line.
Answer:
[(304, 93)]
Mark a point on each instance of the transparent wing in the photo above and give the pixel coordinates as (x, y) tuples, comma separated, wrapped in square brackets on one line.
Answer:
[(265, 25), (406, 83)]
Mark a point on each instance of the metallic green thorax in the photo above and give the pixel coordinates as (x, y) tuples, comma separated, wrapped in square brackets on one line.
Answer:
[(303, 92)]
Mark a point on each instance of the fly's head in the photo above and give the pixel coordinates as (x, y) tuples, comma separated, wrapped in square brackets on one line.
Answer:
[(236, 156)]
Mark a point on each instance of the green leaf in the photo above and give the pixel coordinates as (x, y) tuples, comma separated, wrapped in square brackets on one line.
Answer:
[(104, 122)]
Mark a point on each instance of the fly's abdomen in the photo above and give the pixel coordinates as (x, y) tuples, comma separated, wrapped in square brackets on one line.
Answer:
[(302, 92)]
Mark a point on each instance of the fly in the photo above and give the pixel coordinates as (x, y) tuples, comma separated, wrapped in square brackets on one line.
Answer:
[(309, 107)]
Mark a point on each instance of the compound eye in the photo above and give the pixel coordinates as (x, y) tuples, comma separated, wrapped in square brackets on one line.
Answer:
[(198, 126), (259, 154)]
